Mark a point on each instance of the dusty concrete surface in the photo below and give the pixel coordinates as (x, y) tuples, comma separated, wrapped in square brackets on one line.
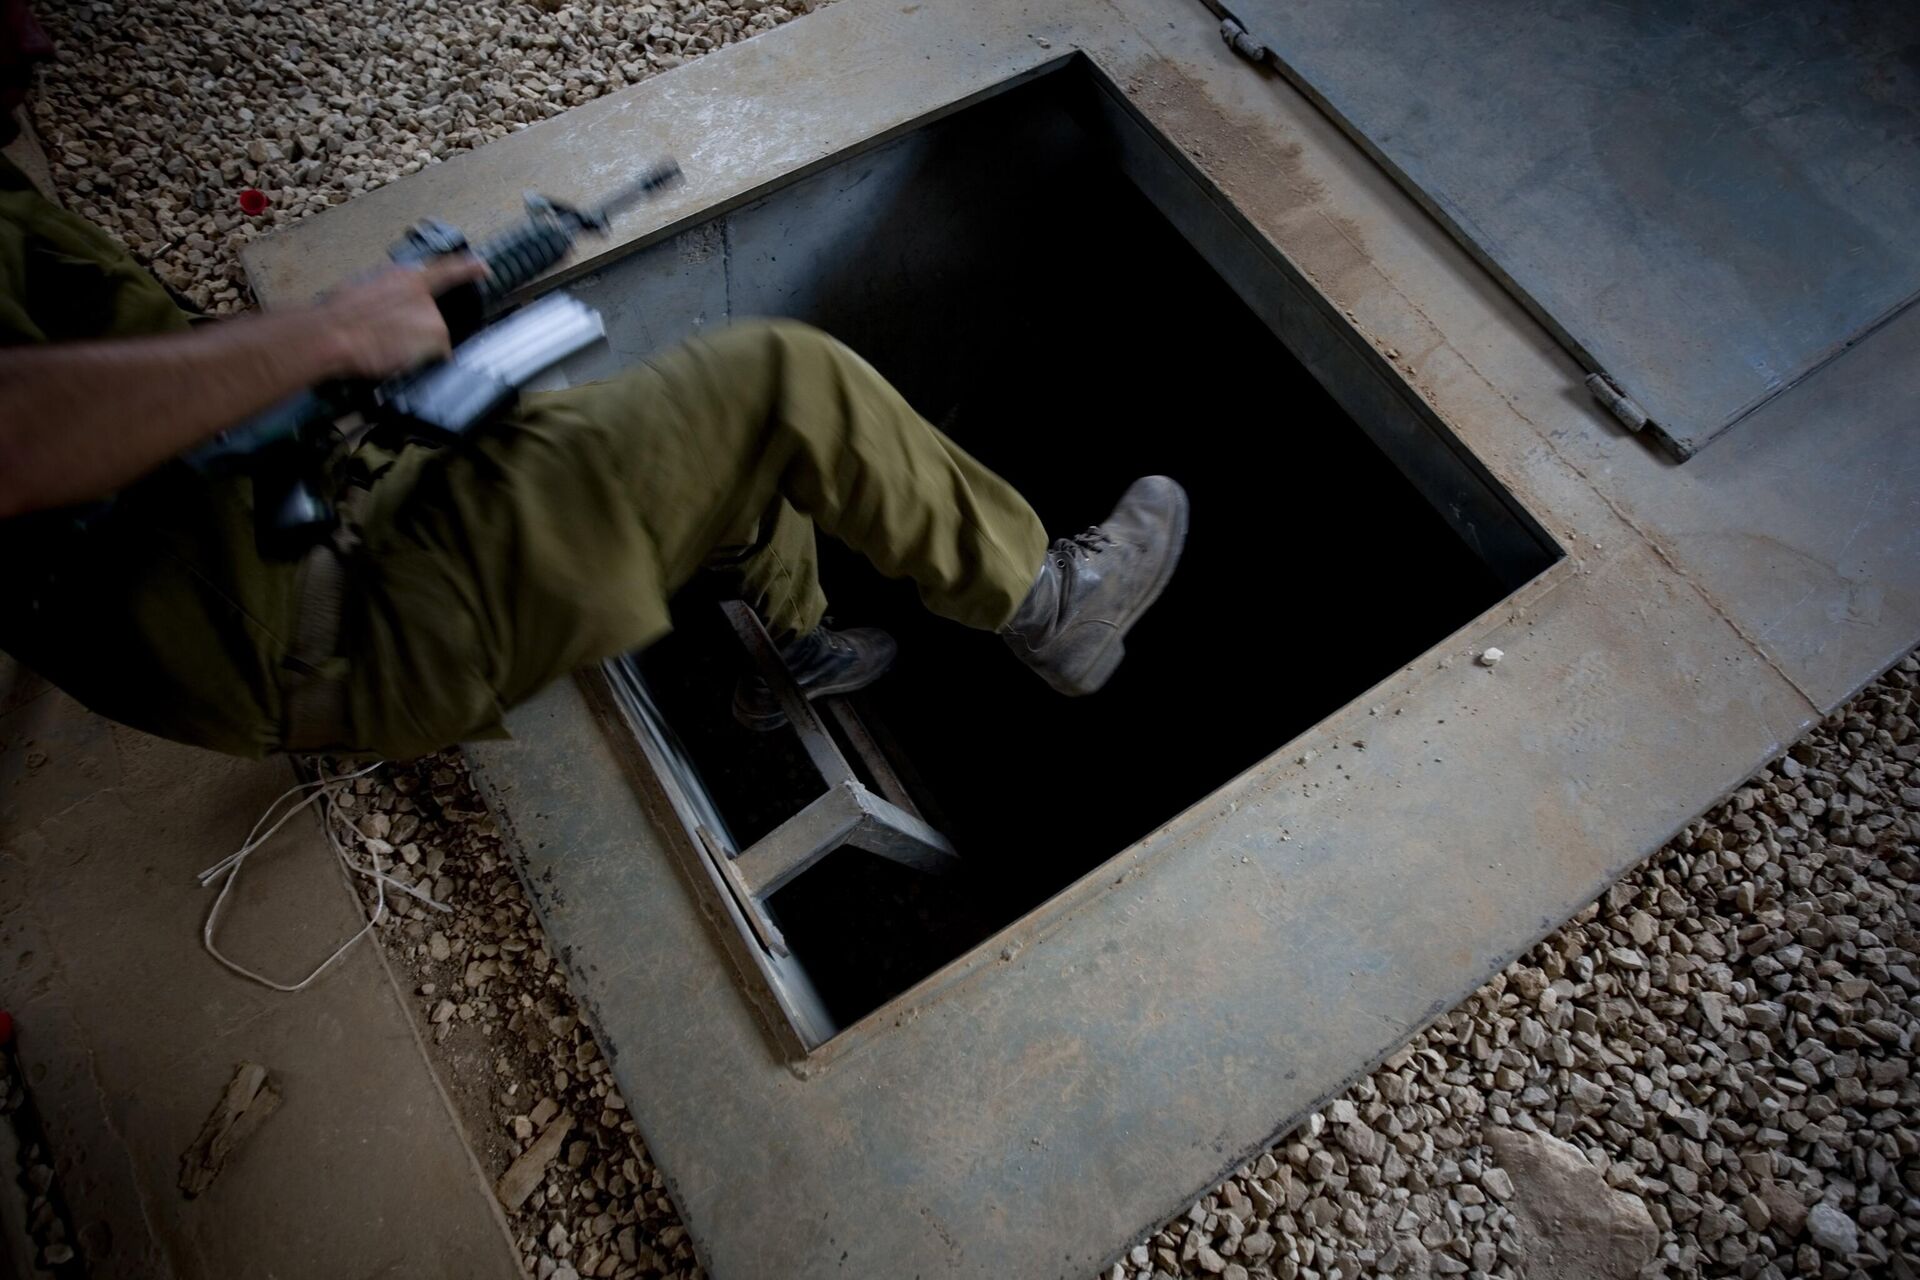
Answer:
[(128, 1032)]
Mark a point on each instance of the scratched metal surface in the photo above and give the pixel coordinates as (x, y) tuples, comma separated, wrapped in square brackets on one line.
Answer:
[(1707, 201), (1088, 1072)]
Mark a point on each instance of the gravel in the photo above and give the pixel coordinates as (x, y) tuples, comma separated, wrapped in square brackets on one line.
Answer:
[(156, 115), (1724, 1039), (534, 1094)]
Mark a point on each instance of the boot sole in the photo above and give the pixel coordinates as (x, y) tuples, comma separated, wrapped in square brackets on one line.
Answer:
[(1094, 676)]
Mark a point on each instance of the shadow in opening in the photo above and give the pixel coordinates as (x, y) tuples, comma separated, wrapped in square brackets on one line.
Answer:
[(1034, 305)]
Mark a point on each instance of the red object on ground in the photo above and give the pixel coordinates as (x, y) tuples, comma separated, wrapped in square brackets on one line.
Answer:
[(253, 203), (6, 1028)]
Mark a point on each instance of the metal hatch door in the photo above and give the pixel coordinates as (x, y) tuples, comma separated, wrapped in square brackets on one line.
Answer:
[(1705, 201)]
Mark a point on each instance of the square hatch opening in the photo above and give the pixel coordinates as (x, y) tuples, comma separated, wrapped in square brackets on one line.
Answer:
[(1049, 282)]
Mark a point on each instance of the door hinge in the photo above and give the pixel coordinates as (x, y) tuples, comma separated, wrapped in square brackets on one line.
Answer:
[(1622, 405), (1240, 42)]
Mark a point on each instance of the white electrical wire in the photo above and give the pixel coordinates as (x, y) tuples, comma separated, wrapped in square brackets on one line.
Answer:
[(323, 790)]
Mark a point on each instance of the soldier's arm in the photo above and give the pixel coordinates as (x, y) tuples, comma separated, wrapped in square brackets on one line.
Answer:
[(81, 420)]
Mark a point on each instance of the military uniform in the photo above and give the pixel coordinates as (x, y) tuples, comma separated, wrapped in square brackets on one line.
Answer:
[(471, 576)]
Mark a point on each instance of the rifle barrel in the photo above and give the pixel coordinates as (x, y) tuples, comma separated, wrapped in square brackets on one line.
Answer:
[(655, 179)]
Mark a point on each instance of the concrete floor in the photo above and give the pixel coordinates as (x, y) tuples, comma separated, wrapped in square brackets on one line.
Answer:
[(128, 1032)]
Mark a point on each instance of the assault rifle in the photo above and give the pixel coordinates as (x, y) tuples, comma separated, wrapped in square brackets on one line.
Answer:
[(285, 448)]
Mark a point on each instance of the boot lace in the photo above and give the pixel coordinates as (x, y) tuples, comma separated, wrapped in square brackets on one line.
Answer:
[(1081, 545)]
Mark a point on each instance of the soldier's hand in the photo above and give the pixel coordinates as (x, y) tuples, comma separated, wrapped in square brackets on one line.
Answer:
[(388, 323)]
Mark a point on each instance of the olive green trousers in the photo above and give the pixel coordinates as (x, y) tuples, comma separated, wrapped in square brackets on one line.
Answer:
[(476, 574), (558, 536)]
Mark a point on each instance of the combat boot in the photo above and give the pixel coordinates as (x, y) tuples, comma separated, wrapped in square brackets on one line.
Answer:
[(1094, 586), (824, 663)]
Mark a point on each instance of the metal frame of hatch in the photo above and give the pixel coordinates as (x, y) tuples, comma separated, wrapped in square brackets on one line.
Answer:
[(882, 819), (734, 883)]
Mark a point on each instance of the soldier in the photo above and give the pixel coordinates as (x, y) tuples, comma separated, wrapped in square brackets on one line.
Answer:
[(466, 578)]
